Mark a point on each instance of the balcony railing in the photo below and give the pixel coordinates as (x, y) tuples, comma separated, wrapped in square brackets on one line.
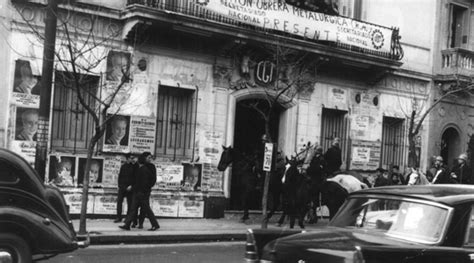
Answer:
[(457, 61), (188, 8)]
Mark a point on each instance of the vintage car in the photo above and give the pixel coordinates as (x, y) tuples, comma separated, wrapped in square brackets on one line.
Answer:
[(432, 223), (34, 219)]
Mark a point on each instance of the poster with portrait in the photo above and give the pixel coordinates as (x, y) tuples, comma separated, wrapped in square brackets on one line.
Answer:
[(142, 134), (26, 86), (118, 66), (95, 174), (62, 170), (117, 134), (191, 176), (26, 124)]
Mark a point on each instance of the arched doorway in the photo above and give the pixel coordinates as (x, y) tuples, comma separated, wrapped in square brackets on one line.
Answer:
[(450, 146), (248, 130)]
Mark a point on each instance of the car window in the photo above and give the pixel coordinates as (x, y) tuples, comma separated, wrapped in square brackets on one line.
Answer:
[(8, 174), (469, 242)]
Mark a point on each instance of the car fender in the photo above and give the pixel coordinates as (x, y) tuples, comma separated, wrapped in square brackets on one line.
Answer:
[(42, 234)]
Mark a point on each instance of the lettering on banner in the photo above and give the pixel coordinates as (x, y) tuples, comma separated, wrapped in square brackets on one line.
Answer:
[(191, 208), (277, 15)]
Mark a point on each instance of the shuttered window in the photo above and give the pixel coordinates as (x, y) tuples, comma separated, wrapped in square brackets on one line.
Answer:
[(393, 142), (334, 124), (175, 122), (72, 125)]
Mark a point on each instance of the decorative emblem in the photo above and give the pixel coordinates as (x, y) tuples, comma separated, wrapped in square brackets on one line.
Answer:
[(265, 72), (377, 39)]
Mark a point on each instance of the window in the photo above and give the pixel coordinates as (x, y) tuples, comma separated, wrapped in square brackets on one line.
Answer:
[(175, 122), (72, 125), (350, 8), (393, 141), (458, 26), (334, 124)]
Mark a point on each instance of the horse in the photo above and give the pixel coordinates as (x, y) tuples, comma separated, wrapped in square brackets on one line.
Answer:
[(244, 169), (296, 194)]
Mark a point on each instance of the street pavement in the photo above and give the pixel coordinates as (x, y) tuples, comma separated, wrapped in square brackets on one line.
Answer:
[(174, 230), (228, 252)]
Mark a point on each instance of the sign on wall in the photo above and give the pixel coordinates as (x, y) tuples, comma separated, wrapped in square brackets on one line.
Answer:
[(190, 208), (365, 155), (277, 15), (142, 134)]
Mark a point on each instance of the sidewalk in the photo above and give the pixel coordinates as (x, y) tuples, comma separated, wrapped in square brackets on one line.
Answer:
[(177, 230)]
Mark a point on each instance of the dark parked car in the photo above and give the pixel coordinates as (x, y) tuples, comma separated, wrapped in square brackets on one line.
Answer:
[(34, 219), (433, 223)]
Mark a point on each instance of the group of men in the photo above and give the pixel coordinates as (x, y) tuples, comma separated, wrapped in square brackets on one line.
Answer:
[(438, 173), (135, 181)]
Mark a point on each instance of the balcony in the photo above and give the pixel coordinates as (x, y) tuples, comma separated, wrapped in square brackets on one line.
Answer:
[(457, 64)]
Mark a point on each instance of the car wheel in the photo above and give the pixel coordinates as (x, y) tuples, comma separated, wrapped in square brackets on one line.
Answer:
[(14, 249)]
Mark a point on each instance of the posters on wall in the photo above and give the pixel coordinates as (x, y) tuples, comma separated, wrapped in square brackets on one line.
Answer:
[(210, 147), (26, 149), (192, 173), (190, 208), (134, 134), (111, 170), (62, 170), (117, 134), (169, 176), (95, 174), (165, 206), (107, 205), (24, 111), (365, 155), (74, 199), (142, 134)]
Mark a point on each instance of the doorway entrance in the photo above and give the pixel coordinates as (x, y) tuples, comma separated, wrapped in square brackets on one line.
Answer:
[(450, 146), (248, 130)]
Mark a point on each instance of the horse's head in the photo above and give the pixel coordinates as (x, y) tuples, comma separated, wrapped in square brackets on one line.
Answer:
[(226, 158)]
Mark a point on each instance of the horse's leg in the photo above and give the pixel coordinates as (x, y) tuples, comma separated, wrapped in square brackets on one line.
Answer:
[(245, 204)]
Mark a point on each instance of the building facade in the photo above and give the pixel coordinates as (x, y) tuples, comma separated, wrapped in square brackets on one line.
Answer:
[(199, 77)]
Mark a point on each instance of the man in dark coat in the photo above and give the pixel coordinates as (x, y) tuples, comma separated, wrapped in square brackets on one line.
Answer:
[(333, 157), (442, 176), (151, 182), (382, 178), (462, 172), (141, 196), (316, 173), (126, 177)]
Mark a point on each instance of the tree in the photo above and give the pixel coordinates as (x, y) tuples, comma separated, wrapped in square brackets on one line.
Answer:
[(79, 53), (419, 113), (294, 73)]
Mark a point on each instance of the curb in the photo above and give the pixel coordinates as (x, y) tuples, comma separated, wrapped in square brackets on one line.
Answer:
[(160, 239)]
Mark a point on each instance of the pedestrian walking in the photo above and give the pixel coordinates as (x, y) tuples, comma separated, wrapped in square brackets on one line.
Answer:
[(141, 196), (126, 177), (333, 157), (442, 176), (462, 172), (151, 182)]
